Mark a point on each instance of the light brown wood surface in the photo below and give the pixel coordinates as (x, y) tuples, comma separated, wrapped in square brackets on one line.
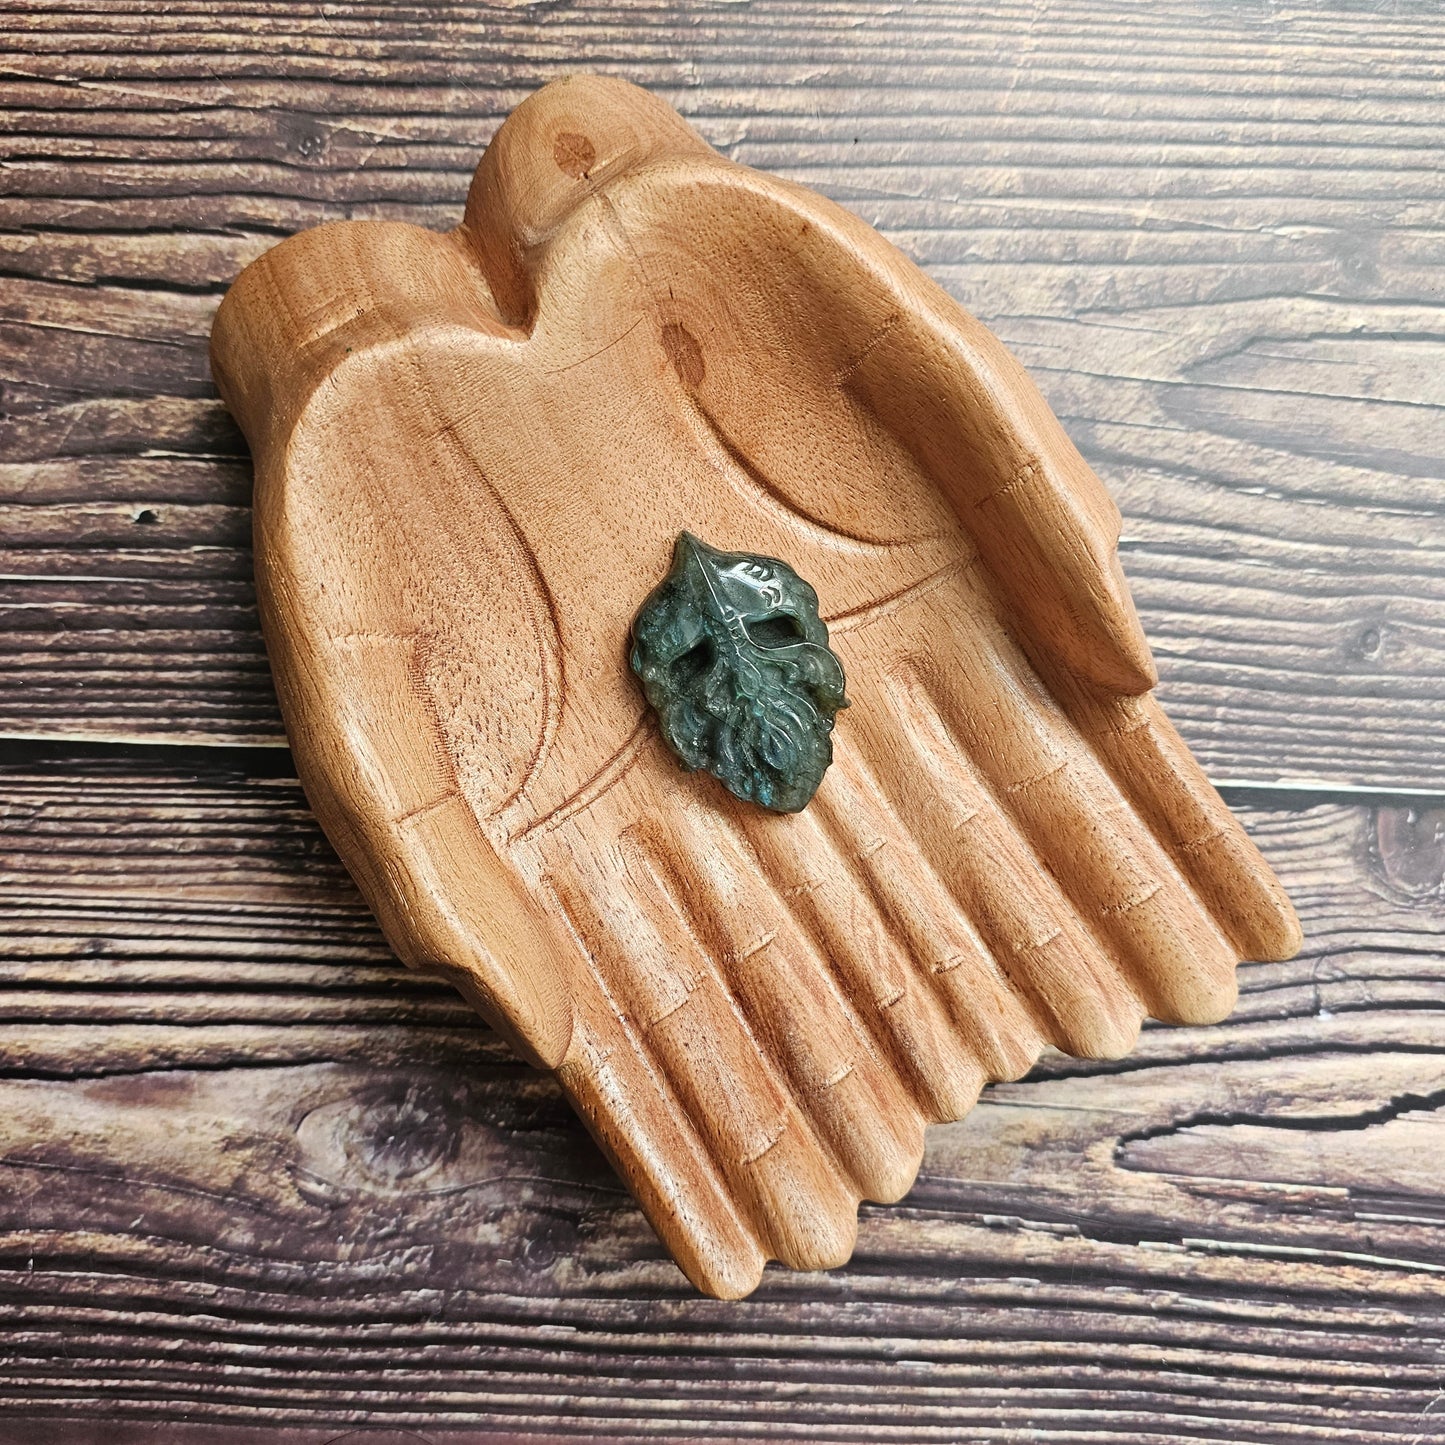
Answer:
[(1213, 236), (473, 454)]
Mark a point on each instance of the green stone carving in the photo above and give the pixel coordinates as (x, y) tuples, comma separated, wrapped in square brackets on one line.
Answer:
[(734, 657)]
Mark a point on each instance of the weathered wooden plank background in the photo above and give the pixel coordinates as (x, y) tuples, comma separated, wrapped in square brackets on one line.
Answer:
[(252, 1172)]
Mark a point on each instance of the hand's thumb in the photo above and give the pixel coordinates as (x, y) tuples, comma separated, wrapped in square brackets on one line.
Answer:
[(375, 774)]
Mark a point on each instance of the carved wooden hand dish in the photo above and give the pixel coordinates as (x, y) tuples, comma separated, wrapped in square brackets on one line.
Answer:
[(474, 452)]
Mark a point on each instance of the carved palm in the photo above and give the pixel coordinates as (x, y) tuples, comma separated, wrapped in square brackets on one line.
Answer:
[(474, 453)]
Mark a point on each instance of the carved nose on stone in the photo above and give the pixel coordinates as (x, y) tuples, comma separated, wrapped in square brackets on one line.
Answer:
[(688, 546)]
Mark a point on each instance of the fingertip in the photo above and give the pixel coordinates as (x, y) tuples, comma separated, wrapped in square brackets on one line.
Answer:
[(827, 1241), (543, 1026), (887, 1160), (1125, 663), (1275, 933), (1095, 631), (1245, 897), (1108, 1028), (730, 1273), (1200, 999)]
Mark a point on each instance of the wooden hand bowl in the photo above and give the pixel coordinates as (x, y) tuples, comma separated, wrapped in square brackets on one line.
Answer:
[(473, 454)]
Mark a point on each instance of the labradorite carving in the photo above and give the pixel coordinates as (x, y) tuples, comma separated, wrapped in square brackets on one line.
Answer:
[(734, 657)]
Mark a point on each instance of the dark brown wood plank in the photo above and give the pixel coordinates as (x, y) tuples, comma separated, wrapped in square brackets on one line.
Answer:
[(252, 1169), (1216, 236)]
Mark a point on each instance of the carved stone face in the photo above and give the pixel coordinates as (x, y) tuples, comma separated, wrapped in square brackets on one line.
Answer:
[(733, 655)]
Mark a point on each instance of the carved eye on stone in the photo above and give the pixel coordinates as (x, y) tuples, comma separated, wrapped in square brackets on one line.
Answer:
[(779, 629), (694, 664)]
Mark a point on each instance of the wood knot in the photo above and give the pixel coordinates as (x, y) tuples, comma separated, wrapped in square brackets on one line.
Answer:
[(684, 353), (1409, 849), (575, 154), (403, 1131)]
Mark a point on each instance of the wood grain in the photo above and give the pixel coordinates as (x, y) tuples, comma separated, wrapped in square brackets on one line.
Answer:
[(1214, 238), (1233, 1235)]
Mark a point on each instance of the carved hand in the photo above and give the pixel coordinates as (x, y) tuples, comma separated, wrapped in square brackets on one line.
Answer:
[(474, 452)]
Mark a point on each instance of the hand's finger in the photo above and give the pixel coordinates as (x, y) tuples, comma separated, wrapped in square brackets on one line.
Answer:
[(669, 1008), (1154, 767), (945, 1060), (1112, 868), (630, 1111), (552, 153), (853, 1097), (988, 705), (1074, 991), (917, 366), (1001, 1027), (1040, 518)]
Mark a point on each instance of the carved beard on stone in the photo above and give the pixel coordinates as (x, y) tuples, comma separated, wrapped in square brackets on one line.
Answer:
[(735, 659)]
